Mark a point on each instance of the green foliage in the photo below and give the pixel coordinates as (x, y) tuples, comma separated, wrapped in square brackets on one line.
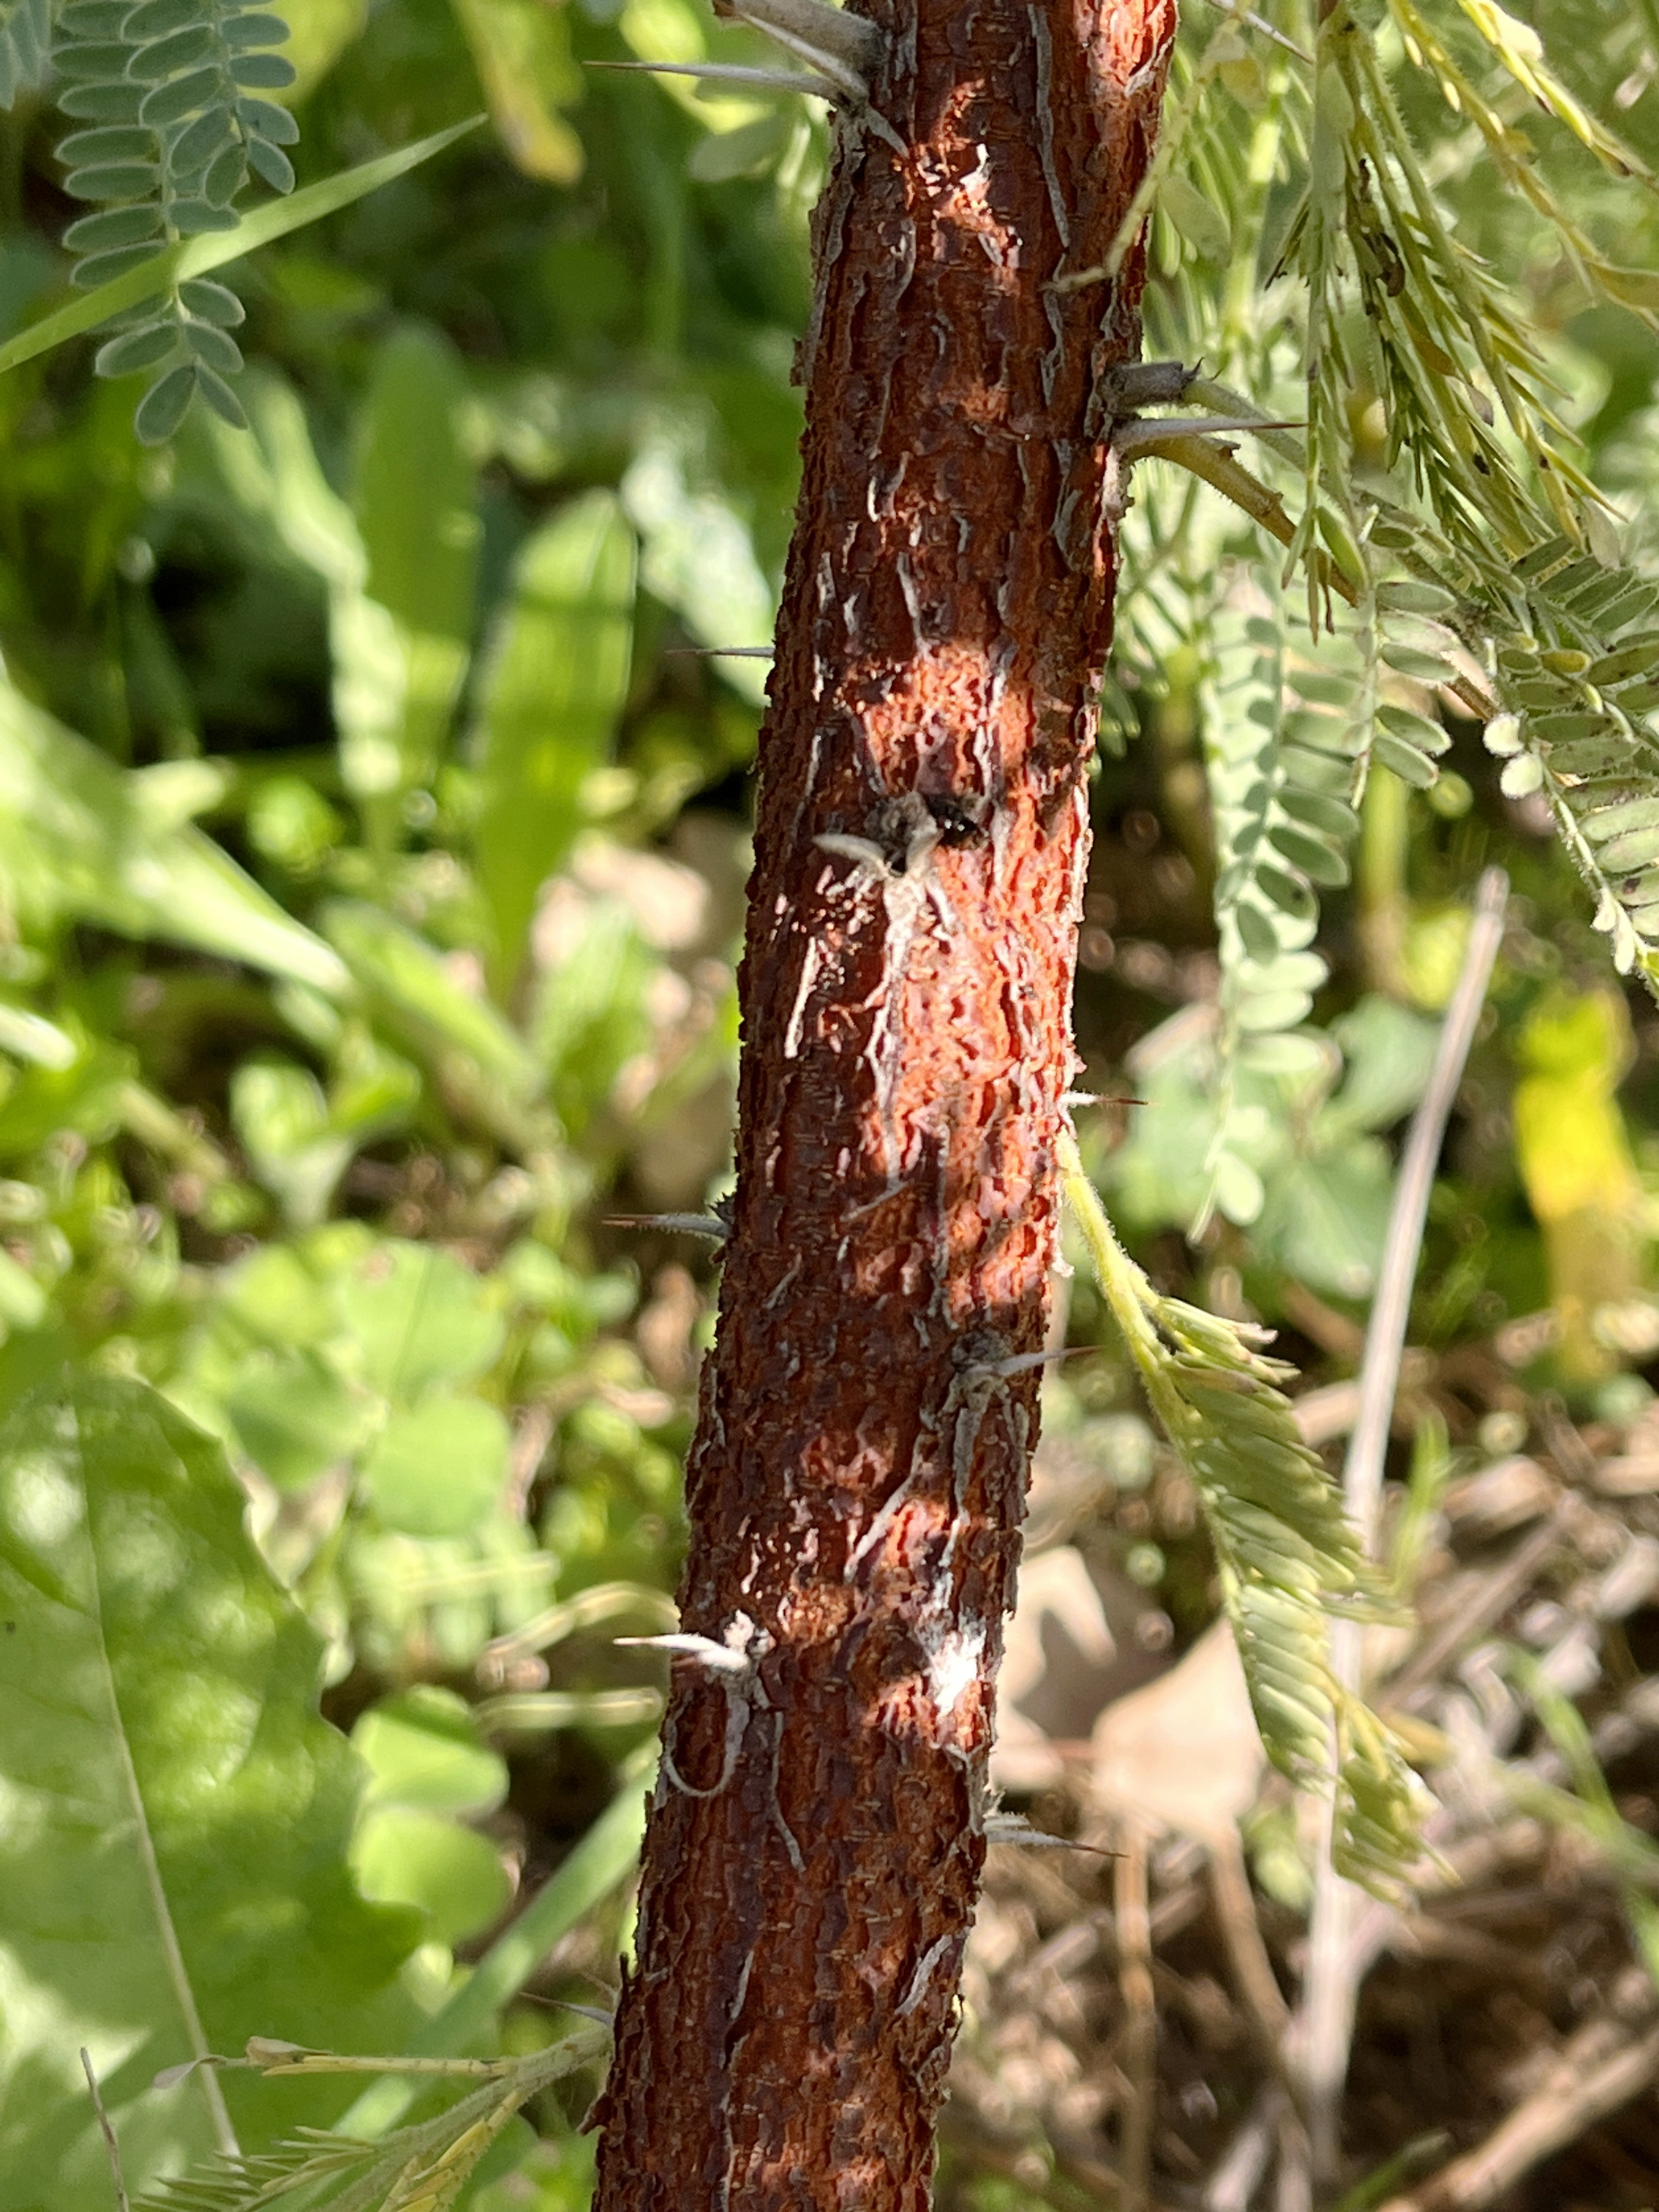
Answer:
[(547, 702), (370, 871), (24, 44), (1287, 1554), (419, 530), (89, 843), (166, 94), (1299, 1161), (161, 1712), (429, 2161)]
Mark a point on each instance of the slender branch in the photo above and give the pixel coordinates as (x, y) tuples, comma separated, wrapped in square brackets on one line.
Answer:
[(1586, 2084), (1324, 2030), (107, 2132), (1134, 1952), (1217, 467), (1385, 1335)]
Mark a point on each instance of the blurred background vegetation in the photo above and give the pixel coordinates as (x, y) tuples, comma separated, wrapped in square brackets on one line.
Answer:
[(372, 848)]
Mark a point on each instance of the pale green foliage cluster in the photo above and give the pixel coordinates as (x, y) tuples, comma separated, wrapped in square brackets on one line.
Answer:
[(1455, 558), (1289, 1559), (167, 122)]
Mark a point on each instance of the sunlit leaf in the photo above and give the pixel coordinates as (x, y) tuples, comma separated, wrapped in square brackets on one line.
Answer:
[(160, 1707), (552, 688)]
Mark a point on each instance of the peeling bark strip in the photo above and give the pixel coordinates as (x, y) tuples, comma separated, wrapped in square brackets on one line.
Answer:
[(856, 1484)]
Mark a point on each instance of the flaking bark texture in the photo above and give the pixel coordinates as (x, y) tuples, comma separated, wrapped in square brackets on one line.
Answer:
[(856, 1486)]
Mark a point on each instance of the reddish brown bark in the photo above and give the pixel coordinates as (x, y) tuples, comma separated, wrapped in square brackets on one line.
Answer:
[(856, 1484)]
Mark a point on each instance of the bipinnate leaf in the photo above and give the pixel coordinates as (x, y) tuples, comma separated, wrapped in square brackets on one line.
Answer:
[(1287, 1554), (177, 1814)]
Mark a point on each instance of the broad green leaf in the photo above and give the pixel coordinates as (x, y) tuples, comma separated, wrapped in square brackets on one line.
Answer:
[(281, 1116), (415, 503), (590, 1015), (420, 1319), (553, 686), (89, 1097), (276, 1296), (274, 477), (1325, 1219), (1574, 1154), (451, 1874), (194, 256), (522, 51), (724, 154), (438, 1469), (1388, 1051), (422, 1750), (176, 1814), (603, 1857), (322, 30), (1198, 219), (406, 980), (75, 845), (295, 1417), (699, 560)]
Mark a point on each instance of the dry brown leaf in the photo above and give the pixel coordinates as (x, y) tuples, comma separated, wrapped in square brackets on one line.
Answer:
[(1183, 1752)]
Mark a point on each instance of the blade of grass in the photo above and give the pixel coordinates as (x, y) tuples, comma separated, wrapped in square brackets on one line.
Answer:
[(599, 1862), (194, 256)]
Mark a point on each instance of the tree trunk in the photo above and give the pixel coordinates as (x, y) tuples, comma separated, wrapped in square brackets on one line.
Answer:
[(856, 1486)]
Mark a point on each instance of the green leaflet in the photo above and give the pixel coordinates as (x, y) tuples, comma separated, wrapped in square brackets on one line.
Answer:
[(522, 54), (1288, 1556), (419, 530), (194, 256), (697, 558), (161, 1707), (173, 84), (1596, 763), (1284, 744), (553, 686), (77, 844), (605, 1856), (404, 978), (427, 2165)]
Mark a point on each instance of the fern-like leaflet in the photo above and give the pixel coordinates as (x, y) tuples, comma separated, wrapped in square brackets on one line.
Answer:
[(1287, 1555), (424, 2167), (1278, 787), (169, 94), (1577, 682)]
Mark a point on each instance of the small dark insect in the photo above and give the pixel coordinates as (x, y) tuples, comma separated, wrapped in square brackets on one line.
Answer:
[(956, 826)]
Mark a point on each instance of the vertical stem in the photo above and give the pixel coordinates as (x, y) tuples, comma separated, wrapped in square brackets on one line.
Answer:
[(1132, 1916), (855, 1486), (1325, 2029)]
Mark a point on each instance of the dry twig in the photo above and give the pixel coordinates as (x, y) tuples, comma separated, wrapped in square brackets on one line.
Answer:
[(1325, 2028), (1598, 2071), (107, 2129), (1134, 1952)]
